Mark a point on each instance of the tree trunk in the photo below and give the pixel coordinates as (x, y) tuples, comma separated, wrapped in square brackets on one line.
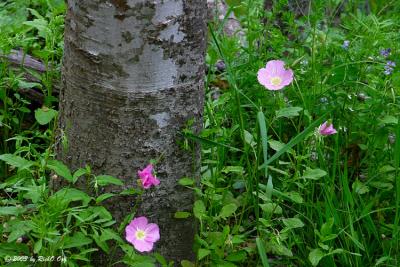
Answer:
[(132, 79)]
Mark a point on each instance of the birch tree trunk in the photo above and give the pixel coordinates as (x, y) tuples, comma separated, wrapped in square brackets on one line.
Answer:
[(132, 79)]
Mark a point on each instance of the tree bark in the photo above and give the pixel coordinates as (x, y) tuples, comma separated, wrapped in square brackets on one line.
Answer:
[(132, 79)]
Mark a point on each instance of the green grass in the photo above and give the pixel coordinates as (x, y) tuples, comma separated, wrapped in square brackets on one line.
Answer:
[(310, 200), (273, 192)]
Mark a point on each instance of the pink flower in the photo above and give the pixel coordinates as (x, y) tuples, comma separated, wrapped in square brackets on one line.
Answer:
[(326, 128), (274, 76), (147, 177), (142, 235)]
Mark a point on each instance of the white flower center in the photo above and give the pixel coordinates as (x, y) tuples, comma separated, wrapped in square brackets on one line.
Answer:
[(276, 80), (140, 234)]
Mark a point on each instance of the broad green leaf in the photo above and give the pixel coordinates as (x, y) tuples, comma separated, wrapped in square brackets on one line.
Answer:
[(103, 180), (326, 228), (186, 181), (16, 161), (268, 208), (360, 188), (15, 234), (276, 145), (315, 256), (289, 112), (291, 223), (28, 85), (60, 168), (78, 173), (313, 174), (238, 256), (182, 215), (38, 246), (104, 197), (108, 234), (388, 119), (186, 263), (249, 139), (45, 115), (77, 240), (228, 210), (12, 210), (199, 210), (295, 197), (202, 253), (72, 194)]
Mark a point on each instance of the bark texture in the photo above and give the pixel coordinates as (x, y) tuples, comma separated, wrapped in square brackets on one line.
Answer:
[(132, 79)]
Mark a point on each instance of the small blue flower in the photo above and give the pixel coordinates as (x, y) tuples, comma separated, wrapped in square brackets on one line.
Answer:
[(346, 44), (389, 67), (391, 64), (385, 52)]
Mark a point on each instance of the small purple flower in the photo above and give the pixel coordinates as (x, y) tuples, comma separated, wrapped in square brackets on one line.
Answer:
[(326, 128), (391, 64), (389, 67), (346, 44), (385, 52)]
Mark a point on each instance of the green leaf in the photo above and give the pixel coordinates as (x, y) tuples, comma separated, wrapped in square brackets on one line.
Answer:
[(199, 210), (72, 194), (12, 210), (315, 256), (262, 252), (78, 173), (326, 228), (388, 119), (28, 85), (160, 259), (44, 115), (313, 174), (291, 223), (289, 112), (103, 180), (360, 188), (294, 141), (15, 234), (182, 215), (60, 168), (186, 181), (186, 263), (104, 197), (276, 145), (77, 240), (202, 253), (38, 246), (237, 256), (268, 208), (234, 169), (16, 161), (228, 210)]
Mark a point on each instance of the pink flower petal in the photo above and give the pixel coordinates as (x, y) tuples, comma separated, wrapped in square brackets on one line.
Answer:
[(275, 69), (287, 77), (139, 223), (275, 66), (263, 77), (142, 245), (325, 129), (152, 233)]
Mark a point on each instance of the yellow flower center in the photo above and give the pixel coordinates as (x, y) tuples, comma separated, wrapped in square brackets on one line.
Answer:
[(276, 80), (140, 234)]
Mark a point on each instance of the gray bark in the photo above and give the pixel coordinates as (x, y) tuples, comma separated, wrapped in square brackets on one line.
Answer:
[(132, 79)]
